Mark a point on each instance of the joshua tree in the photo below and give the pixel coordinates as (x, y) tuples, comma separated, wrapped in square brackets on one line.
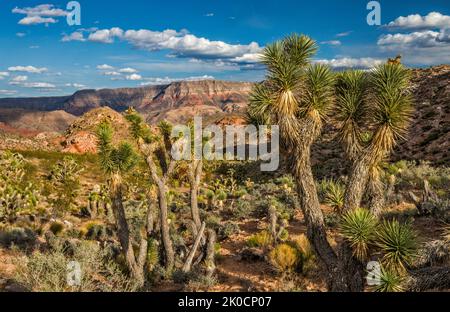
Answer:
[(298, 97), (382, 109), (156, 150), (115, 161)]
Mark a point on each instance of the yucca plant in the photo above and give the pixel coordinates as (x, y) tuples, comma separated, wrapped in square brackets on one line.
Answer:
[(298, 96), (382, 105), (389, 281), (334, 194), (398, 244), (116, 161), (352, 109), (358, 228)]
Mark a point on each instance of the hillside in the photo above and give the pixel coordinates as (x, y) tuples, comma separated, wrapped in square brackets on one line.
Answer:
[(428, 138)]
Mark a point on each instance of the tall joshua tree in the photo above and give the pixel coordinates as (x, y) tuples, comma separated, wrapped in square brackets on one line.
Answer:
[(156, 150), (115, 161), (298, 97), (385, 110)]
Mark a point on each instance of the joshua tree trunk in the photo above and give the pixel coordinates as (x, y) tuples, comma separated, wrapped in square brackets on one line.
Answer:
[(357, 183), (375, 189), (428, 279), (195, 174), (165, 228), (163, 209), (136, 266), (188, 264), (210, 251)]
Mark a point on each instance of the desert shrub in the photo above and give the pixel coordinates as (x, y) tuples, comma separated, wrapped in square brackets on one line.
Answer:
[(64, 183), (242, 210), (17, 236), (306, 252), (228, 229), (332, 219), (359, 228), (398, 244), (97, 231), (16, 194), (56, 228), (411, 176), (262, 239), (49, 271), (334, 195), (285, 258), (331, 192), (152, 254), (201, 282)]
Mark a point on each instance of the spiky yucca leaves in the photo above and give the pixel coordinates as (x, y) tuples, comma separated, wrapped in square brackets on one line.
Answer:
[(114, 159), (259, 107), (359, 227), (139, 129), (282, 94), (351, 109), (391, 107), (390, 281), (398, 244), (318, 94), (334, 194)]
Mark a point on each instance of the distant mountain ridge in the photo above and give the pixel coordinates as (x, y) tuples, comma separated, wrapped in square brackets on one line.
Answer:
[(151, 100)]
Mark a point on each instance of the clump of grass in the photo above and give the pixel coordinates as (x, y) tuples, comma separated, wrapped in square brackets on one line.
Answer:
[(56, 228), (262, 239), (285, 258)]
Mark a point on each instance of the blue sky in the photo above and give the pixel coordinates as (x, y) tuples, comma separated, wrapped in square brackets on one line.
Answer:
[(134, 43)]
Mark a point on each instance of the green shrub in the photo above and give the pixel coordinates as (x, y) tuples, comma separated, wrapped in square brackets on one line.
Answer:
[(242, 210), (228, 229), (16, 236), (47, 272), (56, 227)]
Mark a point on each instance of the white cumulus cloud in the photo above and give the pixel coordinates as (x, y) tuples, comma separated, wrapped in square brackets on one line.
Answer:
[(181, 44), (28, 69), (133, 77), (40, 14), (431, 20), (17, 80), (167, 80), (332, 42), (128, 70), (39, 85), (75, 36), (8, 92), (347, 62), (105, 67), (75, 85)]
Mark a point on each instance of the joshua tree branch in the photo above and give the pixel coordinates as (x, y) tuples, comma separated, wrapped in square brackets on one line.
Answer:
[(188, 264)]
